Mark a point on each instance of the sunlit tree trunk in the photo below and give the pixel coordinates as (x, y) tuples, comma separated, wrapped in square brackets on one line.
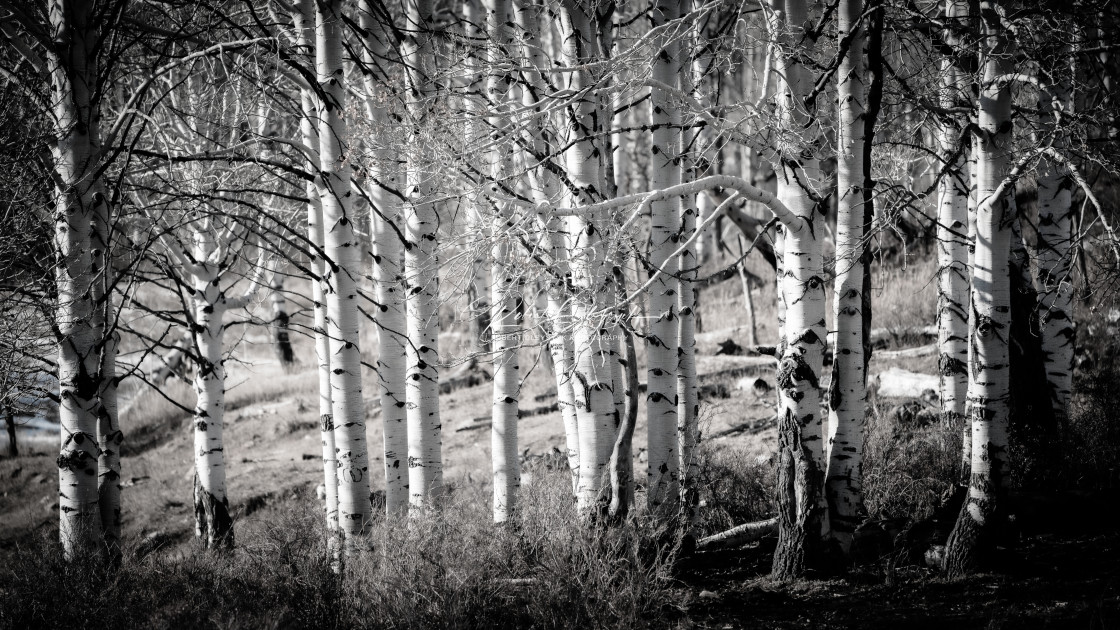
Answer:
[(72, 67), (980, 524), (303, 19), (952, 239), (593, 386), (506, 290), (663, 465), (343, 250), (425, 458), (213, 523), (385, 215), (848, 393), (278, 321), (801, 508)]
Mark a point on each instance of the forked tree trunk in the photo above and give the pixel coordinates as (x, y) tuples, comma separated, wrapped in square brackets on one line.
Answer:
[(847, 400), (343, 249), (593, 386), (425, 458), (556, 327), (980, 524), (801, 509), (72, 66), (385, 215), (662, 343)]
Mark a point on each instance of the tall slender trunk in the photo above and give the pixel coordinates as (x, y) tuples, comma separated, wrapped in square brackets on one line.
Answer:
[(385, 215), (425, 458), (694, 147), (478, 290), (801, 509), (278, 323), (952, 238), (595, 408), (72, 66), (662, 342), (504, 320), (303, 18), (847, 400), (1055, 245), (10, 421), (343, 251), (980, 524), (109, 435)]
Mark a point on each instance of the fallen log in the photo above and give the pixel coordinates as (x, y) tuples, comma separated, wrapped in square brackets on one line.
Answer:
[(899, 383), (738, 536), (908, 353), (753, 427)]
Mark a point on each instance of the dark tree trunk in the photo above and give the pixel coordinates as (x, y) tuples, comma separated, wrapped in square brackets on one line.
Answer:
[(10, 420)]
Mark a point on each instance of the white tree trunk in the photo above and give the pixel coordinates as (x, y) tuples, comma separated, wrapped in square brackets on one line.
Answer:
[(392, 331), (213, 524), (848, 394), (593, 387), (662, 343), (72, 69), (343, 250), (979, 524), (952, 241), (800, 445), (506, 291), (425, 458)]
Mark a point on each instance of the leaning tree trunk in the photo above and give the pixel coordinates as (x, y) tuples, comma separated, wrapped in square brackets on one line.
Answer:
[(385, 212), (1055, 244), (507, 290), (72, 66), (847, 400), (589, 265), (343, 248), (425, 458), (663, 465), (800, 448), (980, 524)]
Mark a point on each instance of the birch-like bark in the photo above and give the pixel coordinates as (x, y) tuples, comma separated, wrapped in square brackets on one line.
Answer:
[(1055, 245), (72, 68), (279, 320), (662, 342), (506, 290), (303, 20), (952, 239), (557, 324), (213, 523), (801, 509), (589, 264), (847, 400), (109, 435), (343, 251), (979, 525), (693, 161), (385, 214), (478, 290), (425, 458)]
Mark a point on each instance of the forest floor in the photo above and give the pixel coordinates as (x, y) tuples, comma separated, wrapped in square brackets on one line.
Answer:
[(1063, 576)]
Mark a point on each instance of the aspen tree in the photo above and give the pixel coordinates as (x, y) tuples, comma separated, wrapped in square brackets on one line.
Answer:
[(385, 215), (952, 237), (425, 459), (848, 392), (980, 523), (506, 290), (800, 446), (343, 251), (662, 343)]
